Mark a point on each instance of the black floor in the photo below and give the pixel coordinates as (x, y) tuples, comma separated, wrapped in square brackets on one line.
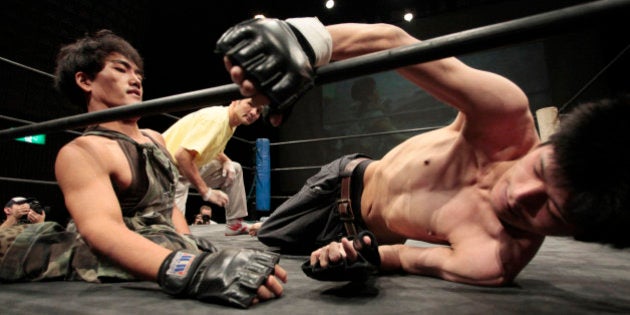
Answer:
[(566, 277)]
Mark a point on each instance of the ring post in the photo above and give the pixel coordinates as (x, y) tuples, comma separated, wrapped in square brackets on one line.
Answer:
[(263, 171)]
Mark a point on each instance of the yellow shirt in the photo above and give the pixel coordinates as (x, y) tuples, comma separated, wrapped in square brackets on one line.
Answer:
[(206, 131)]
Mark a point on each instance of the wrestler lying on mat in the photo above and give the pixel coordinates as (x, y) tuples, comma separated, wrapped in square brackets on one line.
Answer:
[(484, 186), (118, 183)]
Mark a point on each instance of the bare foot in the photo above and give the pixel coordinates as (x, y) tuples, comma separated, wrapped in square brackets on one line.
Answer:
[(253, 228)]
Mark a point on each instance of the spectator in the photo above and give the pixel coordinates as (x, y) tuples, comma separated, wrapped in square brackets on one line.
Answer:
[(20, 210)]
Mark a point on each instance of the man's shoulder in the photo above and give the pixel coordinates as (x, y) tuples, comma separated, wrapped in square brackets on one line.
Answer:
[(206, 115), (212, 110), (154, 135), (86, 147), (505, 140), (95, 142)]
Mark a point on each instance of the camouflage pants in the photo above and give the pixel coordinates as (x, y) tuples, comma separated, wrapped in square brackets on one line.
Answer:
[(47, 251)]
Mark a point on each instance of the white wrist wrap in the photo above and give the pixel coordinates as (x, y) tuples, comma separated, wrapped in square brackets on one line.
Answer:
[(207, 195), (317, 36)]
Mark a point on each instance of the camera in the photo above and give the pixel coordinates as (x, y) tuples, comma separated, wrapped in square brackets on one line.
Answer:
[(35, 205), (205, 218)]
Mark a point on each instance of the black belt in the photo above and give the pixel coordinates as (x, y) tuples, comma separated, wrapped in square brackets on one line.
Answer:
[(344, 205)]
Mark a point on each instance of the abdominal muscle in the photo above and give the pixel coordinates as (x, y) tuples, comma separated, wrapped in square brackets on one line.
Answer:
[(423, 189)]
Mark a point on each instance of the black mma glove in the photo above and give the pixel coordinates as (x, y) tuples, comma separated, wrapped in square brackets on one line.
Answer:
[(203, 243), (367, 263), (228, 276), (278, 56)]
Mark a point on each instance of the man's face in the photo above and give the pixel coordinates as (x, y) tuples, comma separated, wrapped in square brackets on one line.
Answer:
[(247, 111), (119, 83), (18, 209), (206, 211), (528, 196)]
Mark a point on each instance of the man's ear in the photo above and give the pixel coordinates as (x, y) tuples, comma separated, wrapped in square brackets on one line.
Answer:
[(83, 81), (7, 211)]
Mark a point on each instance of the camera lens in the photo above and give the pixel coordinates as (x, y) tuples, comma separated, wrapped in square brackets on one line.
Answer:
[(36, 206)]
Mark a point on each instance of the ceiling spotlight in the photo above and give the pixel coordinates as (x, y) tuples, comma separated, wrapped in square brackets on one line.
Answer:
[(408, 16), (330, 4)]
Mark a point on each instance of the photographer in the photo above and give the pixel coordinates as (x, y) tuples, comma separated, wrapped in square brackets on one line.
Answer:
[(204, 216), (20, 210)]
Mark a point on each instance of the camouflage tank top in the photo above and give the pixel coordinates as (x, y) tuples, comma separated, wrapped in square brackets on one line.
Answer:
[(46, 250)]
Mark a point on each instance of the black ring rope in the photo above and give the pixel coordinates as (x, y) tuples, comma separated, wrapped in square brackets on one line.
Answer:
[(72, 131), (29, 181), (28, 122), (372, 134), (19, 65), (592, 80), (486, 37)]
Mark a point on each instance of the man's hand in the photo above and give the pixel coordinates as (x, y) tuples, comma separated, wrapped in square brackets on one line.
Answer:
[(346, 260), (198, 219), (253, 228), (229, 173), (334, 252), (22, 211), (275, 57), (35, 217), (217, 197), (272, 288)]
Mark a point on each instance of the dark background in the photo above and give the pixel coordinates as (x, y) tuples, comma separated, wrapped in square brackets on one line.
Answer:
[(177, 40)]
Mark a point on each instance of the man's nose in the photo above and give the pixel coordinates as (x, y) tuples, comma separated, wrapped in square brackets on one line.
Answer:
[(136, 80), (531, 194)]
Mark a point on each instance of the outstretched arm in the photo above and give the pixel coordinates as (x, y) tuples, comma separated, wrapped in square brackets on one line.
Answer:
[(470, 90), (185, 163), (490, 103), (494, 112), (466, 266), (443, 262)]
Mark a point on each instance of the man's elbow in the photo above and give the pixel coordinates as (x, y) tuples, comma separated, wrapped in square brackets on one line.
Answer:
[(184, 156), (495, 279)]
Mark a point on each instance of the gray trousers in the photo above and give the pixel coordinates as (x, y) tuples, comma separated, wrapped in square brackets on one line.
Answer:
[(310, 219), (211, 174)]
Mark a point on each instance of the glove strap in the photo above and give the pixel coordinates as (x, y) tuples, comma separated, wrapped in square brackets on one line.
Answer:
[(364, 267), (313, 32), (207, 195), (370, 252), (177, 270)]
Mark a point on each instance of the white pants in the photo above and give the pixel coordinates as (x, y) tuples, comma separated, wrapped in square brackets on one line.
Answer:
[(211, 174)]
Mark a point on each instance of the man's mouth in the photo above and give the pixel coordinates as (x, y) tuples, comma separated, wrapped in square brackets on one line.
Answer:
[(134, 92)]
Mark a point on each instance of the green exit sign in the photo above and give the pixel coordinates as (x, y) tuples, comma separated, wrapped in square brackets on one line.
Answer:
[(36, 139)]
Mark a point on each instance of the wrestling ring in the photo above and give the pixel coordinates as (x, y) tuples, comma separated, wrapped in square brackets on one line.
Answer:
[(565, 276)]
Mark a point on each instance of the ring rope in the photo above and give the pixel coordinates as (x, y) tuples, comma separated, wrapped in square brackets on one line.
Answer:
[(171, 116), (17, 64), (468, 41), (29, 181), (295, 168), (356, 136), (486, 37), (27, 67), (593, 79), (243, 140), (28, 122), (202, 98)]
